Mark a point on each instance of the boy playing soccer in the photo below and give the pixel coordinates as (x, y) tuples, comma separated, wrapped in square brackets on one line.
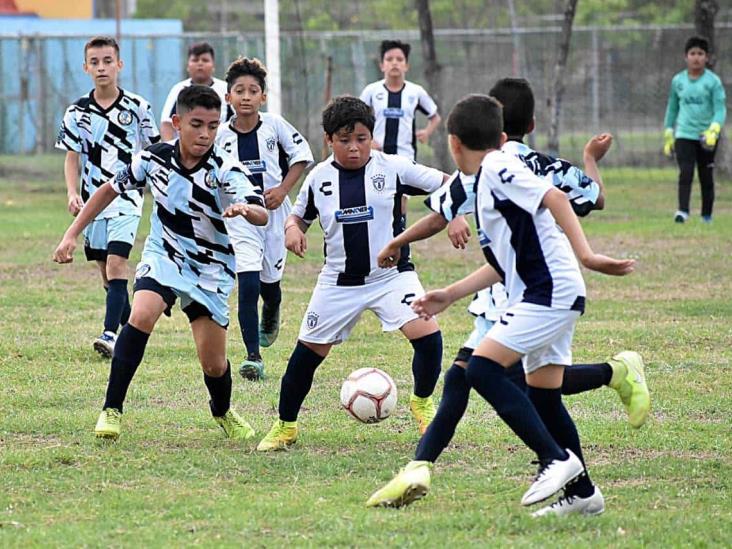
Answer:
[(356, 196), (276, 155), (100, 132), (517, 217), (187, 255)]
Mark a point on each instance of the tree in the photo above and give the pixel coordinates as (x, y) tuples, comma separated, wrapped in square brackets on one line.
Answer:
[(704, 14), (555, 97)]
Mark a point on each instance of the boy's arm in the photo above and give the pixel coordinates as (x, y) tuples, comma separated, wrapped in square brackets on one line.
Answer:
[(254, 213), (558, 204), (429, 225), (299, 157), (71, 175), (295, 239), (594, 151), (423, 135), (275, 196), (672, 111)]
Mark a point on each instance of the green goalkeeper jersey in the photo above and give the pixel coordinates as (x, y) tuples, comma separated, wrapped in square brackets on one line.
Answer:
[(693, 104)]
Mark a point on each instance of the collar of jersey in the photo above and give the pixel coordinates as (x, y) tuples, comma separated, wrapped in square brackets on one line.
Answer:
[(340, 168), (254, 129), (383, 83), (194, 169), (113, 105), (213, 81)]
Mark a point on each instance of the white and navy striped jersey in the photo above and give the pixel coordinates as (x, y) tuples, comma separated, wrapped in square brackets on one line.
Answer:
[(219, 86), (268, 150), (360, 212), (106, 139), (396, 112), (188, 237), (520, 238)]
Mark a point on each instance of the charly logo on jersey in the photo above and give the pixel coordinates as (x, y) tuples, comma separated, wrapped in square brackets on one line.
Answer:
[(393, 112), (271, 143), (143, 269), (380, 96), (210, 179), (255, 166), (312, 319), (483, 238), (124, 118), (357, 214), (378, 181)]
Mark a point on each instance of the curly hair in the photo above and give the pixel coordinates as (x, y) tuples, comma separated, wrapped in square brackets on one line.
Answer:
[(244, 66), (344, 112)]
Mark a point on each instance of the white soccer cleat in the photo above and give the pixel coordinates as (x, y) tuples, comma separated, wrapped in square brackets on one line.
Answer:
[(568, 505), (552, 477), (104, 344)]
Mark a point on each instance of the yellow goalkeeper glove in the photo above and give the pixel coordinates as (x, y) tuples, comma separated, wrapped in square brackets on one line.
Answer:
[(668, 141), (711, 135)]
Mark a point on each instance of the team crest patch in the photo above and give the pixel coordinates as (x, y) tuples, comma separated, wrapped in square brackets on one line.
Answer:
[(270, 142), (124, 118), (143, 269), (312, 319), (122, 177), (378, 181), (210, 179)]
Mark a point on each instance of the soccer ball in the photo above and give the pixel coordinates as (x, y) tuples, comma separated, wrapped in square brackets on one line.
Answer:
[(369, 395)]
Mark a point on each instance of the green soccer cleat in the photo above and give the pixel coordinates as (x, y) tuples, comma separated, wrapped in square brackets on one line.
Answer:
[(234, 426), (282, 435), (109, 424), (269, 328), (252, 368), (629, 380), (423, 410), (412, 483)]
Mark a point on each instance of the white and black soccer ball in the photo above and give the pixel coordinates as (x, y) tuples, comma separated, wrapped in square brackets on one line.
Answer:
[(369, 395)]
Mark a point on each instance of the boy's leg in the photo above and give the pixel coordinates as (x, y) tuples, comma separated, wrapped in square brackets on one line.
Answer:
[(686, 158), (426, 340), (253, 367), (271, 293), (273, 267), (705, 168)]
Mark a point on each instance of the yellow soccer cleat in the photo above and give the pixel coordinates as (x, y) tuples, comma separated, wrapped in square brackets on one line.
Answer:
[(423, 410), (282, 435), (234, 426), (629, 380), (109, 424), (412, 483)]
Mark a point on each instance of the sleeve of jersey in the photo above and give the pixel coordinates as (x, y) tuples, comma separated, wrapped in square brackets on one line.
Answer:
[(68, 136), (719, 103), (304, 206), (366, 95), (148, 128), (134, 175), (581, 189), (237, 187), (167, 112), (294, 144), (511, 179), (456, 197), (426, 104), (416, 179)]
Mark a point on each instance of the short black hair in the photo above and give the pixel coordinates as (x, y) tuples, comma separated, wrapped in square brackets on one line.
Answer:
[(344, 112), (477, 121), (243, 66), (102, 42), (199, 48), (518, 105), (194, 96), (387, 45), (696, 42)]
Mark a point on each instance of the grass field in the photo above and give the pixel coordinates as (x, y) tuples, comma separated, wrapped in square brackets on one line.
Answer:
[(173, 480)]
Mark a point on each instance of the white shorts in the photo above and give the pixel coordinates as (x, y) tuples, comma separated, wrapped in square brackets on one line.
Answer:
[(333, 311), (542, 334), (481, 326), (261, 249)]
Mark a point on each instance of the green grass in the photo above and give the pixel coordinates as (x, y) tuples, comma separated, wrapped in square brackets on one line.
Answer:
[(172, 479)]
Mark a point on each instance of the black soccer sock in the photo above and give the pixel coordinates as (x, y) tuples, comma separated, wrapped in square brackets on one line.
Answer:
[(297, 380), (116, 299), (128, 352), (516, 375), (126, 311), (579, 378), (220, 390), (248, 316), (454, 402), (513, 406), (549, 405), (426, 363), (271, 294)]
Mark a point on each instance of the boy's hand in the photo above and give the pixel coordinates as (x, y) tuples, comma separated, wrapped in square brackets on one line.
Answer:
[(431, 303), (75, 204), (598, 145), (608, 265), (236, 209), (711, 135), (668, 142), (295, 240), (389, 256), (274, 197), (422, 136), (458, 231), (65, 250)]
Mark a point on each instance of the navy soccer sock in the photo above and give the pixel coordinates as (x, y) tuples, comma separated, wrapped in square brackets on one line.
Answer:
[(126, 311), (513, 406), (426, 363), (271, 294), (128, 353), (579, 378), (220, 390), (248, 316), (297, 380), (549, 405), (116, 299), (516, 375), (454, 402)]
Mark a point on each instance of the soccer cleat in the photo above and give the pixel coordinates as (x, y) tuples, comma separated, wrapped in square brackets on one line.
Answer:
[(104, 344), (269, 328), (706, 219), (109, 424), (412, 483), (282, 435), (552, 477), (567, 505), (423, 410), (681, 217), (234, 426), (629, 380), (252, 368)]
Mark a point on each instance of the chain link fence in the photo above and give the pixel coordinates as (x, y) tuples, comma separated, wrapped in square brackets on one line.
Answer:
[(617, 78)]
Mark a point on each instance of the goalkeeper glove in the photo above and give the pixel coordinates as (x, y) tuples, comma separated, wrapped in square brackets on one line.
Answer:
[(710, 136), (668, 141)]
